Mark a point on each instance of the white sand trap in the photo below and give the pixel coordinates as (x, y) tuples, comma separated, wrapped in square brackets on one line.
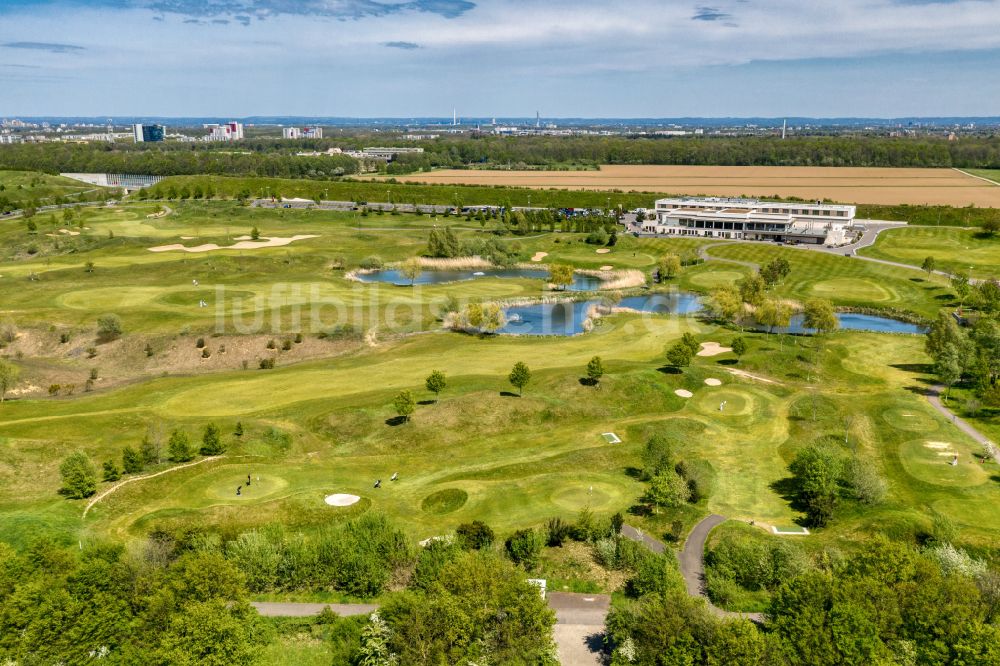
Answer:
[(712, 381), (341, 499), (604, 250), (539, 256), (712, 349), (65, 232), (607, 268), (684, 393), (242, 245)]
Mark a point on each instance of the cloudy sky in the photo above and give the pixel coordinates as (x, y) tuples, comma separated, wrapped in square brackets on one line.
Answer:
[(583, 58)]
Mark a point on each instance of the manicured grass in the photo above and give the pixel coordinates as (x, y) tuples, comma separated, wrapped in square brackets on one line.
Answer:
[(843, 280), (954, 250), (24, 188)]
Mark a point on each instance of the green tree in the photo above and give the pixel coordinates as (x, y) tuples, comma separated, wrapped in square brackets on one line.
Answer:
[(450, 243), (9, 374), (595, 369), (928, 265), (131, 460), (476, 535), (411, 269), (211, 441), (667, 489), (727, 305), (79, 479), (150, 450), (255, 234), (523, 547), (817, 470), (519, 376), (668, 267), (375, 649), (991, 225), (820, 316), (775, 271), (404, 404), (752, 289), (658, 454), (111, 471), (773, 314), (109, 327), (739, 347), (960, 283), (679, 355), (436, 382), (179, 447), (560, 275)]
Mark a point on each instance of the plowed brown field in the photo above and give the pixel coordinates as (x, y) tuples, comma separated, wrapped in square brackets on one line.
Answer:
[(843, 184)]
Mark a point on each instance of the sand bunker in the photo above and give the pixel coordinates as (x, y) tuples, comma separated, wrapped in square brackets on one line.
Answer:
[(603, 250), (712, 381), (684, 393), (341, 499), (539, 256), (712, 349), (607, 268), (188, 237), (65, 232), (242, 245)]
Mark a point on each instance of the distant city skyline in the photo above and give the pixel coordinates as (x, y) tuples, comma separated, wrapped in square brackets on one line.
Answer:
[(503, 58)]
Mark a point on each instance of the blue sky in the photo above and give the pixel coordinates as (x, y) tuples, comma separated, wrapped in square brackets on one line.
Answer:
[(589, 58)]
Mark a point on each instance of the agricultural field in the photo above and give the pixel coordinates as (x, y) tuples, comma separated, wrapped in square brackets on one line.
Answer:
[(862, 185), (991, 174), (954, 250)]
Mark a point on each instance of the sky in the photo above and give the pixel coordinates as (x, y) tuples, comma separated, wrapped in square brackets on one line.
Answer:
[(502, 58)]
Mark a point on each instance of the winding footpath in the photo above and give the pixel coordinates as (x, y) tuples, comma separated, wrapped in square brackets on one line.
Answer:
[(934, 397), (692, 561)]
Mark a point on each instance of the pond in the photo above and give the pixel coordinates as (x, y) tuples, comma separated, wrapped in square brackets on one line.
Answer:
[(850, 321), (580, 282), (568, 317)]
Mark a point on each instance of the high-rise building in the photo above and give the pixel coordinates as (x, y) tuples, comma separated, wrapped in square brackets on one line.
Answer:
[(231, 131), (143, 133), (304, 133), (291, 133)]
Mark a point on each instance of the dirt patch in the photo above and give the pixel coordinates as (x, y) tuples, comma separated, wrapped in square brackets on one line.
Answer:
[(747, 375), (244, 244), (64, 232), (538, 256), (713, 349)]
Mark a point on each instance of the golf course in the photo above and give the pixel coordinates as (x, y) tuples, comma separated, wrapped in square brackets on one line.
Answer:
[(137, 324)]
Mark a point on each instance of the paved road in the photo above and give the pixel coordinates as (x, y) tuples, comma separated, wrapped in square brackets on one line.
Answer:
[(579, 630), (692, 561), (935, 399)]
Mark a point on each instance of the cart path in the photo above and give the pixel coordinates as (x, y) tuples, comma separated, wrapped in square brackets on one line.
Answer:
[(578, 633), (934, 397), (691, 561)]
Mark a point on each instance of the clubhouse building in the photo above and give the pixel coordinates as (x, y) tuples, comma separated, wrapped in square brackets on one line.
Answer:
[(750, 219)]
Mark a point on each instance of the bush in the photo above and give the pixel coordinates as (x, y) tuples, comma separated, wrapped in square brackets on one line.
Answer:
[(109, 327), (558, 532), (298, 338), (179, 447), (266, 363), (205, 353), (523, 548), (371, 263), (200, 343), (111, 472), (79, 479), (286, 345), (476, 535)]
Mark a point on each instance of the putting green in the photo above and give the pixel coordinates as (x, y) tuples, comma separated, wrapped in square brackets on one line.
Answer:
[(715, 279), (909, 419), (928, 461), (740, 404), (222, 483), (857, 288), (596, 496), (189, 297)]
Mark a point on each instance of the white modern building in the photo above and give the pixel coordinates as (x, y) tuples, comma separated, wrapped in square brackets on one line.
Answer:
[(750, 219), (304, 133), (231, 131)]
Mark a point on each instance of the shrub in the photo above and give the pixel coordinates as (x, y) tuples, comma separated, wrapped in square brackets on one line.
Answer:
[(558, 532), (211, 442), (266, 363), (79, 479), (63, 338), (111, 472), (200, 343), (109, 327), (271, 344), (286, 345), (91, 352), (373, 262), (131, 460), (205, 353), (298, 338), (179, 447), (476, 535), (523, 548)]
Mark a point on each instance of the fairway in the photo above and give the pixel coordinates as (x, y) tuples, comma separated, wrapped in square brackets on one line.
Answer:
[(842, 184), (954, 250)]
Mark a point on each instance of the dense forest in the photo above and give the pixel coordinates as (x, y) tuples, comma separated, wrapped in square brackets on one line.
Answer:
[(277, 158)]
